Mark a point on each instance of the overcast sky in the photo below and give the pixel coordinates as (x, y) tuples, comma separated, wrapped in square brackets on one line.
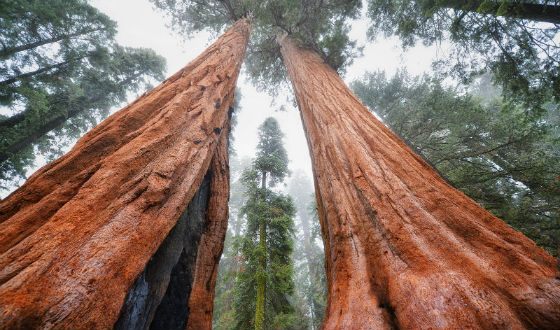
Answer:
[(140, 25)]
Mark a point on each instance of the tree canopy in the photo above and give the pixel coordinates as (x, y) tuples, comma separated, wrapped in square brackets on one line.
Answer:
[(41, 40), (318, 24), (517, 41), (61, 70)]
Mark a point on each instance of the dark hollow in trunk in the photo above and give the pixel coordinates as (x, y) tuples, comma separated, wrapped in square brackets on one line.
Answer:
[(158, 299)]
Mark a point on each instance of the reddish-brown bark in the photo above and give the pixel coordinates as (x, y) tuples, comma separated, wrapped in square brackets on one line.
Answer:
[(201, 299), (77, 235), (403, 248)]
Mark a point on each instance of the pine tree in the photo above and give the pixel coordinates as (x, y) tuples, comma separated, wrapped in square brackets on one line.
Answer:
[(59, 64), (266, 279)]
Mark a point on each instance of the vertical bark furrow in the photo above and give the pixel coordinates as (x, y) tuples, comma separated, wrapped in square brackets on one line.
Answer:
[(173, 312), (201, 299), (404, 248), (99, 213)]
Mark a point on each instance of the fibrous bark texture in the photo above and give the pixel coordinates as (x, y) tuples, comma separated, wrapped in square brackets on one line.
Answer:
[(77, 237), (201, 299), (158, 298), (403, 248)]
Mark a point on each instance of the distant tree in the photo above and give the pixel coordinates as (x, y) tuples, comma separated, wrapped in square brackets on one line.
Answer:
[(516, 40), (309, 256), (230, 262), (492, 150), (265, 281), (224, 312), (59, 61)]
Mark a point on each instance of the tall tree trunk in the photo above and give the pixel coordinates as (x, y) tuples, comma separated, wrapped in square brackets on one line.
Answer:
[(529, 11), (77, 236), (6, 52), (403, 248), (261, 273)]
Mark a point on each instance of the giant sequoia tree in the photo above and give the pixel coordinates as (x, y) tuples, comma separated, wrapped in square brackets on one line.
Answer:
[(108, 234), (403, 248)]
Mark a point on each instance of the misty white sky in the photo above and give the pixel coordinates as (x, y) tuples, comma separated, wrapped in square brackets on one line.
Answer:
[(140, 25)]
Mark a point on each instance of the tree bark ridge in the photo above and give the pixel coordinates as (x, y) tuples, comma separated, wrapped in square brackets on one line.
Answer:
[(201, 299)]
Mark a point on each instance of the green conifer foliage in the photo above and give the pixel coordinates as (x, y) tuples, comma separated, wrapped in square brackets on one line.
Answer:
[(60, 73), (320, 25), (515, 40), (264, 284)]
